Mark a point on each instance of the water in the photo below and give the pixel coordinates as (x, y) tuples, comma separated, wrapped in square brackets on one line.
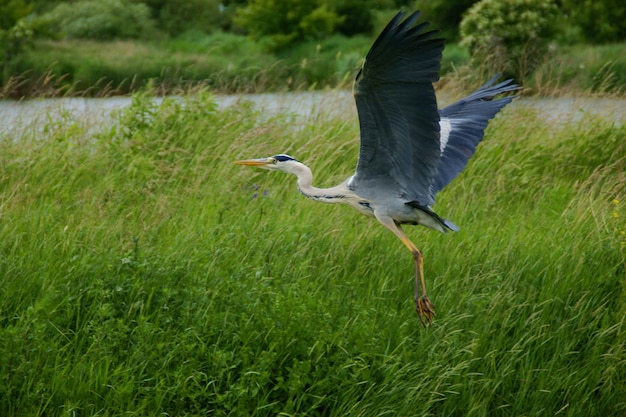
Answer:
[(93, 112)]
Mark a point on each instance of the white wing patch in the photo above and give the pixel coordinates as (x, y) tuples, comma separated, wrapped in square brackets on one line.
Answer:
[(445, 127)]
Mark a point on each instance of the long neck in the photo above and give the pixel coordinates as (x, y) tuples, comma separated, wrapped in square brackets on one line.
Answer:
[(305, 184)]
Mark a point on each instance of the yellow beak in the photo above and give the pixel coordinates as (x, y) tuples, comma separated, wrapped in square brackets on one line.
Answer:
[(253, 162)]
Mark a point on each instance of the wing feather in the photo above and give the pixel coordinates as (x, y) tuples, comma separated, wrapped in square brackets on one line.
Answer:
[(397, 109), (463, 127)]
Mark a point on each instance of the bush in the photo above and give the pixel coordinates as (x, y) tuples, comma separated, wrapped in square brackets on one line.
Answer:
[(356, 16), (15, 32), (12, 42), (179, 16), (600, 21), (100, 20), (445, 15), (286, 21), (508, 36)]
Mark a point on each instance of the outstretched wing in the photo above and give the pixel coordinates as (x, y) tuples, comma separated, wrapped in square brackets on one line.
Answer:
[(463, 127), (397, 109)]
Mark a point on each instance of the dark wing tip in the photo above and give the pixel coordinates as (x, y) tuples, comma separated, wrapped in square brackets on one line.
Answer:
[(402, 37), (393, 24), (488, 91)]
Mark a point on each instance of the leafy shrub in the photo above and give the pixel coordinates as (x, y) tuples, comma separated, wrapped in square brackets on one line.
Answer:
[(178, 16), (356, 16), (286, 21), (15, 32), (100, 19), (14, 41), (12, 11), (599, 20), (508, 36), (445, 15)]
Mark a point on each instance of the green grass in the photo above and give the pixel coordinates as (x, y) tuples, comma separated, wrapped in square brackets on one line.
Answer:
[(79, 67), (145, 274), (229, 63), (582, 69), (224, 62)]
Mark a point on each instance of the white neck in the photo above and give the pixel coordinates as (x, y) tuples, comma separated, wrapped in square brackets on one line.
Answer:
[(305, 183)]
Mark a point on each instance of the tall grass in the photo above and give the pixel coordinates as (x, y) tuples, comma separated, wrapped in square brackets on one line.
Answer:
[(582, 69), (224, 62), (145, 274), (229, 63)]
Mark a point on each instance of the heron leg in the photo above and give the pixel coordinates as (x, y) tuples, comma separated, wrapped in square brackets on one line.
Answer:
[(424, 307)]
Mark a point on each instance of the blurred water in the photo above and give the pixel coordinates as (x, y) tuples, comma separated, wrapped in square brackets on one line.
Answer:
[(93, 112)]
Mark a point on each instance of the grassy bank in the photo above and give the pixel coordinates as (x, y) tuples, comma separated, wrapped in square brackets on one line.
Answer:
[(224, 62), (228, 63), (582, 69), (145, 274)]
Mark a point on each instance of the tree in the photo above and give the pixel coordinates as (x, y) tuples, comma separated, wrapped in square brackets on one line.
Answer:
[(508, 36), (356, 16), (285, 21), (445, 15), (177, 16), (15, 33), (99, 19), (599, 20)]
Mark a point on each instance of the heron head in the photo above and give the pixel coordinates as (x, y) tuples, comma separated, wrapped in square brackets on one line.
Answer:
[(279, 162)]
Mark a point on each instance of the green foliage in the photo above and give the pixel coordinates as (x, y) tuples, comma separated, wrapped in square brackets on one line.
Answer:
[(445, 15), (356, 16), (597, 21), (145, 274), (43, 6), (320, 22), (12, 11), (177, 16), (100, 20), (508, 36), (601, 21), (286, 21), (225, 62), (582, 69), (16, 34), (13, 41), (229, 63)]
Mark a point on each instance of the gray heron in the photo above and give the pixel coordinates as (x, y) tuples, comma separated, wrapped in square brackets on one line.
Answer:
[(409, 150)]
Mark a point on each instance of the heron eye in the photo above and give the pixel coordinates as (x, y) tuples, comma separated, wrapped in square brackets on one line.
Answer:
[(273, 160)]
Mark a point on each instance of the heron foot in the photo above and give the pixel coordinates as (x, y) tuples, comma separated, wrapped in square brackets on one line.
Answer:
[(425, 310)]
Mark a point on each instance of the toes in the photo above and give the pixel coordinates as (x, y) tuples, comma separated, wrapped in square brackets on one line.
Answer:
[(425, 311)]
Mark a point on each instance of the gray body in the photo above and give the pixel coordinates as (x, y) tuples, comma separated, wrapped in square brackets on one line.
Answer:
[(382, 199)]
